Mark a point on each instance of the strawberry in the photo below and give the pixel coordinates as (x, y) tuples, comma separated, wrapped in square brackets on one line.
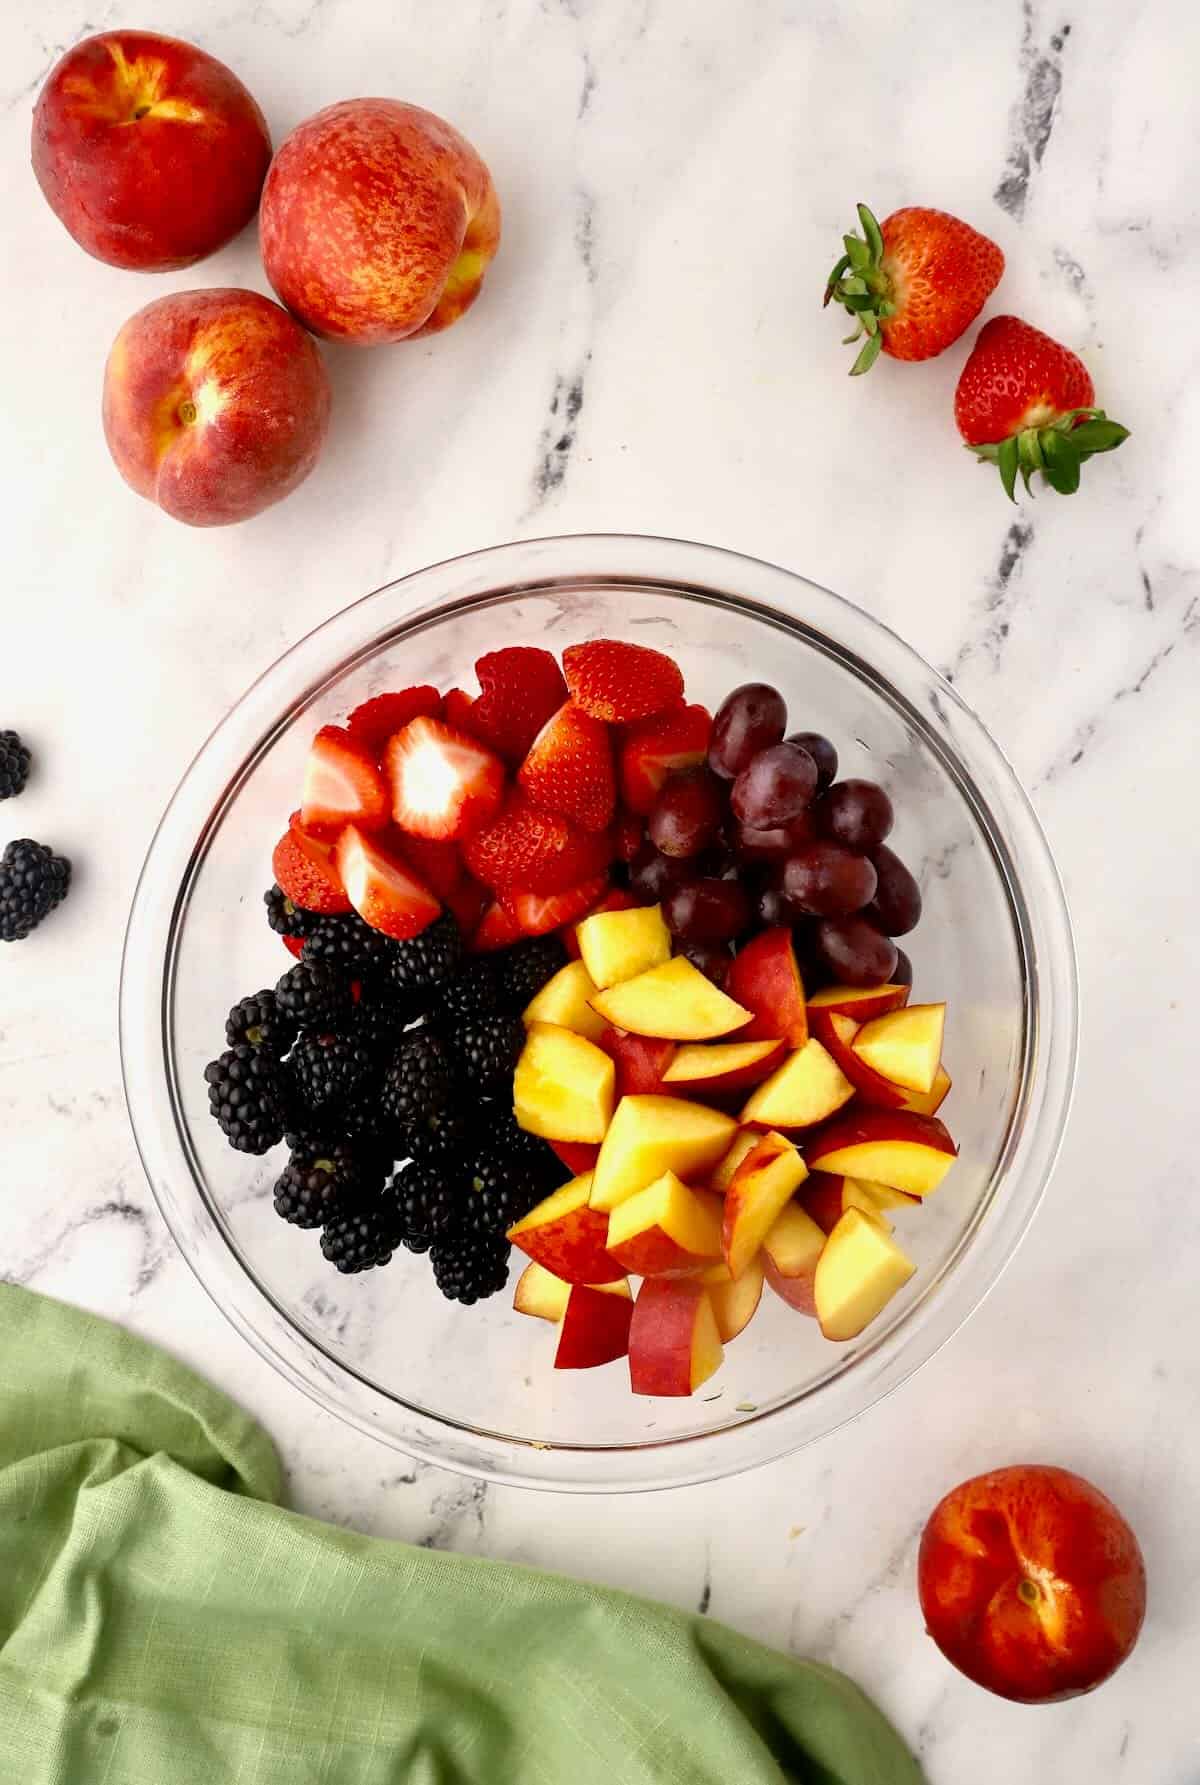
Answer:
[(295, 944), (913, 283), (438, 864), (375, 721), (616, 900), (1025, 404), (468, 901), (444, 783), (342, 785), (619, 682), (307, 875), (628, 834), (496, 929), (569, 769), (577, 1155), (456, 711), (522, 686), (383, 888), (537, 913), (539, 850), (657, 748)]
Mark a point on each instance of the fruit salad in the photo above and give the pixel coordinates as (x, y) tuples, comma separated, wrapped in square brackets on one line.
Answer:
[(586, 970)]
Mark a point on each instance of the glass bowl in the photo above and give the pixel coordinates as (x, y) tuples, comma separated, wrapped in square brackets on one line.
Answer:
[(473, 1389)]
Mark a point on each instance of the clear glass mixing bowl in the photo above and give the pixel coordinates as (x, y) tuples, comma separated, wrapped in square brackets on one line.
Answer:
[(473, 1389)]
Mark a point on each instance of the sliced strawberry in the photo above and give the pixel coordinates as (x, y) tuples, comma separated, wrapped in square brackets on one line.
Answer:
[(628, 835), (445, 785), (305, 872), (538, 850), (375, 721), (438, 864), (496, 929), (457, 708), (294, 944), (620, 682), (537, 913), (577, 1155), (569, 768), (342, 785), (468, 901), (657, 748), (522, 686), (616, 900), (383, 888)]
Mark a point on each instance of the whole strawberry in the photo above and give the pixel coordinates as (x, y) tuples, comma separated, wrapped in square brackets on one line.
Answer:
[(913, 283), (1024, 403)]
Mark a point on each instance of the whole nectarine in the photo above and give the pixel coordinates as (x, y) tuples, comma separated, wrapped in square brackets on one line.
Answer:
[(215, 404), (1031, 1583), (378, 221), (149, 152)]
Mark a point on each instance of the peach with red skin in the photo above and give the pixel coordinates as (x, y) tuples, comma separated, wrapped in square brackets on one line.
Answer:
[(216, 405), (765, 978), (594, 1330), (1031, 1583), (641, 1061), (836, 1033), (150, 152), (377, 223)]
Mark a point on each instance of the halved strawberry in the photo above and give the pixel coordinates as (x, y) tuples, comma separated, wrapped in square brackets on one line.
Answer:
[(496, 929), (577, 1155), (657, 748), (438, 864), (522, 686), (569, 768), (342, 785), (375, 721), (537, 913), (444, 783), (619, 682), (305, 872), (538, 850), (468, 901), (616, 900), (295, 944), (457, 707), (383, 888)]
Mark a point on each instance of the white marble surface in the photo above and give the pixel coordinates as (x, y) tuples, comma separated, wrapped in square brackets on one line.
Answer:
[(675, 178)]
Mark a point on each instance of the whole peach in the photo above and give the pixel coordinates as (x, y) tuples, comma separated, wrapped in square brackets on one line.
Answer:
[(216, 404), (1031, 1583), (378, 221), (150, 152)]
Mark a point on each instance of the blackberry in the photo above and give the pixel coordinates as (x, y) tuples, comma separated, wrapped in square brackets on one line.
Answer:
[(533, 1153), (471, 993), (349, 944), (317, 1184), (381, 1016), (259, 1021), (360, 1239), (469, 1267), (429, 959), (245, 1096), (14, 765), (418, 1083), (522, 970), (285, 918), (439, 1139), (429, 1202), (328, 1070), (33, 880), (314, 996), (504, 1186), (486, 1051)]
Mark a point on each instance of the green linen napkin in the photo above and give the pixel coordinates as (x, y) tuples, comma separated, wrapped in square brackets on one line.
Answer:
[(163, 1621)]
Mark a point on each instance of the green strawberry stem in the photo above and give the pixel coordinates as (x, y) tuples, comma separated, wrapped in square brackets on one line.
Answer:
[(1057, 450), (860, 285)]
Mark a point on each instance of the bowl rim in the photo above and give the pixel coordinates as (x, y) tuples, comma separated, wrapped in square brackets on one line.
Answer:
[(558, 565)]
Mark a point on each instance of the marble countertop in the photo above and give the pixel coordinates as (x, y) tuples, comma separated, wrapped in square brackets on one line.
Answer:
[(675, 181)]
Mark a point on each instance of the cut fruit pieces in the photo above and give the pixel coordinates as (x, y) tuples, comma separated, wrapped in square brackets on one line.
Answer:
[(565, 1001), (563, 1085), (734, 1303), (578, 1156), (445, 785), (640, 1060), (894, 1147), (595, 1328), (536, 914), (836, 1033), (715, 1069), (615, 899), (765, 977), (382, 887), (665, 1230), (744, 1141), (342, 785), (927, 1103), (674, 1002), (862, 1002), (790, 1253), (543, 1295), (763, 1184), (674, 1344), (566, 1235), (618, 945), (858, 1273), (652, 1135), (806, 1089), (904, 1046)]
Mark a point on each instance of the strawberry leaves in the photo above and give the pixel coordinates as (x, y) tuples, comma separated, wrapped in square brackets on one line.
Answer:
[(859, 283), (1058, 451)]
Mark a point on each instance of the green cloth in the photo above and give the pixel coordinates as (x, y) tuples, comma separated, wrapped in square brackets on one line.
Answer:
[(163, 1621)]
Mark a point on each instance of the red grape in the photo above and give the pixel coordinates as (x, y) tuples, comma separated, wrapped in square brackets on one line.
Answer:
[(688, 813), (777, 786), (707, 910), (896, 907), (749, 720), (822, 753), (825, 880), (902, 971), (856, 813), (712, 958), (652, 876), (855, 952), (772, 844), (772, 908)]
